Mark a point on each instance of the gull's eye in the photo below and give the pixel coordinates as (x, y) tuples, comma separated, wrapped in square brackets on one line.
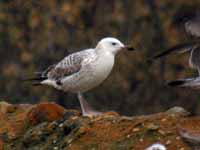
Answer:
[(113, 43)]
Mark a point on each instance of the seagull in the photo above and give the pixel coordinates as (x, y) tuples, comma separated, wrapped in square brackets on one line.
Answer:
[(190, 21), (156, 146), (83, 70)]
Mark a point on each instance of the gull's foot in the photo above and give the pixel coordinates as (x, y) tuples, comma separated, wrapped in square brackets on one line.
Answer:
[(86, 109), (91, 113)]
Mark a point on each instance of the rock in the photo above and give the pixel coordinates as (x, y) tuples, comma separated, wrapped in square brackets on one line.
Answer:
[(189, 130), (152, 126), (1, 144), (178, 111), (16, 118), (136, 129), (12, 119), (111, 113), (49, 126), (45, 112), (4, 107)]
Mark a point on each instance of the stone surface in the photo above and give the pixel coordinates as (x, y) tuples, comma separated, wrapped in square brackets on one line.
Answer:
[(45, 112), (1, 144), (48, 126), (189, 130), (16, 119)]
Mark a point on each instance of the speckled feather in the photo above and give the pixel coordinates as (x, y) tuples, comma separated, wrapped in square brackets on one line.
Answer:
[(69, 65)]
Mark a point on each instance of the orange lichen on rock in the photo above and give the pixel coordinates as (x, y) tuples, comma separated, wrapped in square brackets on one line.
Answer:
[(1, 144), (189, 130), (191, 125), (15, 118), (12, 119), (45, 112), (117, 132)]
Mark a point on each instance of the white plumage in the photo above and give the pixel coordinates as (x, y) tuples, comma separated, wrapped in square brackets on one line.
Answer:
[(156, 146)]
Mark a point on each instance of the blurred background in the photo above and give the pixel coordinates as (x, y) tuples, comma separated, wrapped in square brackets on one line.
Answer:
[(35, 34)]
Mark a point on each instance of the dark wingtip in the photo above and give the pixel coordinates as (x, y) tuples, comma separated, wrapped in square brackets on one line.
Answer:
[(160, 55), (34, 79), (176, 83), (178, 48), (129, 47)]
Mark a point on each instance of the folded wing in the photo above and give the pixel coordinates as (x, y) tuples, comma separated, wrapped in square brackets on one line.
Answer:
[(179, 48), (66, 67)]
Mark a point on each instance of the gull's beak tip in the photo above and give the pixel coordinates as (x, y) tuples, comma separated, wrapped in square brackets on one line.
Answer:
[(129, 48)]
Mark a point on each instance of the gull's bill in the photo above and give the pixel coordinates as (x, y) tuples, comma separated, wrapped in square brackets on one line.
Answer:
[(129, 47)]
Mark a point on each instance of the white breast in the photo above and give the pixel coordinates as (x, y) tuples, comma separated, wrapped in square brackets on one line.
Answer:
[(103, 66)]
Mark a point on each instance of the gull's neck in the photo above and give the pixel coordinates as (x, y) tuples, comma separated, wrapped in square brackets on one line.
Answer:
[(103, 51)]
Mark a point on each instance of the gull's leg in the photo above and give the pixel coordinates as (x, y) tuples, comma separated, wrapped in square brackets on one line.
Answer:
[(85, 108)]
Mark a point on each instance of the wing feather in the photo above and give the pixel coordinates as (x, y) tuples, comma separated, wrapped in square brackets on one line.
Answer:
[(68, 66), (183, 47), (71, 64)]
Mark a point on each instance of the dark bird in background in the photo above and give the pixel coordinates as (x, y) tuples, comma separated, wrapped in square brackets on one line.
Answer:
[(188, 19)]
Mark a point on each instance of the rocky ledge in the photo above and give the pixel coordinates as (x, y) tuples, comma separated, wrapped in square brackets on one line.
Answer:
[(48, 126)]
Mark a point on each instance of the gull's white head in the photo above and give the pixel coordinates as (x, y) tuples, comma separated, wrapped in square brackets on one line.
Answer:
[(112, 45), (156, 146)]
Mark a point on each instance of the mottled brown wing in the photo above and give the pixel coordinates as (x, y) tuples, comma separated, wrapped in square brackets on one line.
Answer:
[(45, 72), (58, 72), (68, 66)]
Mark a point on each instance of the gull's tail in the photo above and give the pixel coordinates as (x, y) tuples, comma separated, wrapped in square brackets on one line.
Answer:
[(188, 82), (35, 80)]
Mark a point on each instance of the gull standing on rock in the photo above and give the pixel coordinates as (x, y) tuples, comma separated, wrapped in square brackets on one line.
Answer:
[(83, 70)]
